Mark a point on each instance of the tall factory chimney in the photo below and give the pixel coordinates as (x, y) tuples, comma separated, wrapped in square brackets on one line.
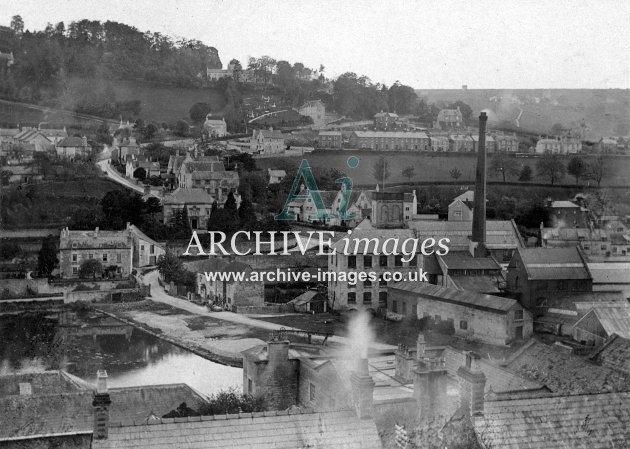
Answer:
[(479, 212)]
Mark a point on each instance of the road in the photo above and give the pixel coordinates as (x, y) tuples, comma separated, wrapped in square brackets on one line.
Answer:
[(115, 176), (158, 294)]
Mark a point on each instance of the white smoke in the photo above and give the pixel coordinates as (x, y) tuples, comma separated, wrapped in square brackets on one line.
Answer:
[(360, 336)]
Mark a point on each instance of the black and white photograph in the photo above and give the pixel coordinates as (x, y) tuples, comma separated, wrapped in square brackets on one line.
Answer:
[(326, 224)]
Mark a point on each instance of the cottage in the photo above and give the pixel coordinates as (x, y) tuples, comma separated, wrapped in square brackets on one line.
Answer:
[(449, 119), (209, 174), (114, 249), (146, 251), (214, 127), (73, 148), (536, 274), (559, 145), (567, 214), (276, 176), (34, 139), (267, 142), (197, 202), (505, 143), (314, 109), (440, 143), (491, 319), (330, 139), (461, 143), (385, 120), (231, 294)]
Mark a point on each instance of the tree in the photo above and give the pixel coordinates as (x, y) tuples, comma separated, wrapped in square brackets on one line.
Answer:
[(90, 267), (577, 168), (149, 131), (169, 266), (409, 172), (47, 258), (9, 250), (140, 173), (181, 128), (551, 166), (526, 174), (230, 202), (103, 135), (17, 25), (199, 111), (504, 164), (246, 213), (598, 168), (380, 171), (455, 173)]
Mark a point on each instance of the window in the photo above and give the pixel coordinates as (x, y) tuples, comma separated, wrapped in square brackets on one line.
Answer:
[(518, 314), (352, 298), (367, 261), (395, 306), (382, 298), (152, 249), (463, 324), (398, 261), (367, 297), (312, 392), (352, 261), (141, 248), (75, 270), (404, 308), (118, 258), (249, 386), (367, 283), (105, 257), (75, 258), (382, 261), (382, 282), (414, 261)]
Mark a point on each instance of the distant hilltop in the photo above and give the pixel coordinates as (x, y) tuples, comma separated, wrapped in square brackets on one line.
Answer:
[(598, 112)]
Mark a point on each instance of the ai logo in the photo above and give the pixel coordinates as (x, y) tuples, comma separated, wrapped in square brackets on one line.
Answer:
[(312, 193)]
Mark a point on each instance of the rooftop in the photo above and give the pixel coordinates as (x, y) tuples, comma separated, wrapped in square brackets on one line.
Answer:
[(615, 353), (564, 372), (187, 196), (554, 263), (389, 135), (610, 272), (609, 320), (451, 295), (278, 430)]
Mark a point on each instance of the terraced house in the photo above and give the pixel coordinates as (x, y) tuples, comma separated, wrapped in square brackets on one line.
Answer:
[(390, 141)]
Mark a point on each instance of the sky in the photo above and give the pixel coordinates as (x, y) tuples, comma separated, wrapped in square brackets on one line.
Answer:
[(426, 44)]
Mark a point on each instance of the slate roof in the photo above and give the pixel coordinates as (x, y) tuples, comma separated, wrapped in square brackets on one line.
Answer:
[(610, 273), (564, 204), (586, 421), (71, 141), (614, 353), (388, 135), (330, 133), (500, 234), (38, 415), (554, 263), (473, 300), (467, 196), (188, 196), (264, 430), (380, 236), (564, 372), (271, 134), (463, 260), (610, 320)]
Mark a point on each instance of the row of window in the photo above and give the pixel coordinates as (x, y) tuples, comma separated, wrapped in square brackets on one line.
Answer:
[(367, 297), (382, 261), (104, 257)]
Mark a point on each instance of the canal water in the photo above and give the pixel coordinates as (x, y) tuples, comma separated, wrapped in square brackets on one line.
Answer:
[(81, 345)]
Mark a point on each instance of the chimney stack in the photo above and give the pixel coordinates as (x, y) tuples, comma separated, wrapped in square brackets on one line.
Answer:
[(472, 386), (101, 405), (429, 383), (479, 212), (362, 390)]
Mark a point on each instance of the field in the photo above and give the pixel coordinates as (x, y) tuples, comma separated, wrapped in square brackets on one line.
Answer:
[(50, 204), (429, 167), (604, 112)]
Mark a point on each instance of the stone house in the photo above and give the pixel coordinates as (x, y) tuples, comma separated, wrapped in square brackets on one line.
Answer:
[(390, 141), (73, 148), (440, 143), (34, 139), (267, 141), (214, 127), (567, 214), (537, 274), (276, 176), (330, 139), (314, 109), (209, 174), (461, 143), (385, 120), (461, 208), (146, 251), (490, 144), (559, 145), (127, 148), (232, 293), (491, 319), (150, 168), (114, 249), (504, 143), (449, 119), (198, 204)]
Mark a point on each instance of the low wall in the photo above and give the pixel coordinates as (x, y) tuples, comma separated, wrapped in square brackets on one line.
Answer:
[(116, 295), (260, 310)]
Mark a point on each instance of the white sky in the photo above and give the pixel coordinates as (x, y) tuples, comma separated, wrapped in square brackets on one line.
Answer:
[(426, 44)]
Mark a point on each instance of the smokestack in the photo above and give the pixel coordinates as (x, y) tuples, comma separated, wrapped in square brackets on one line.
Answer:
[(479, 213)]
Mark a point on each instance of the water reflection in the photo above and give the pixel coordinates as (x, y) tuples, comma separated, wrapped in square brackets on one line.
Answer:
[(82, 345)]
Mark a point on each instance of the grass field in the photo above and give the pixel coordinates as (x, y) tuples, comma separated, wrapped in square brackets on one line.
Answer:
[(429, 167)]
